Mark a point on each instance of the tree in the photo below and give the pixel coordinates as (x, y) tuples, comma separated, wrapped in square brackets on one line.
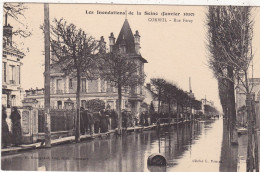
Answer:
[(222, 89), (16, 11), (169, 93), (122, 71), (183, 100), (230, 45), (75, 54), (95, 105), (196, 104), (158, 84), (222, 71)]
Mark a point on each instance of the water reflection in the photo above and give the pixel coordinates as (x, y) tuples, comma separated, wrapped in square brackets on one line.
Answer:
[(187, 147), (127, 153), (229, 153)]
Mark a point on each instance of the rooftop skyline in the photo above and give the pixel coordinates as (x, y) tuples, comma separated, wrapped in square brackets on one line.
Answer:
[(174, 51)]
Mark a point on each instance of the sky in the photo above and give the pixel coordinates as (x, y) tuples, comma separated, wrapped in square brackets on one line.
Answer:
[(175, 51)]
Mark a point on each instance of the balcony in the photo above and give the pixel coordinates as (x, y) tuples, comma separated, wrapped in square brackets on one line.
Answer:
[(59, 91), (12, 81)]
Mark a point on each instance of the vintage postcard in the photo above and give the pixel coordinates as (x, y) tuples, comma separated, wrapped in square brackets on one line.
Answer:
[(130, 87)]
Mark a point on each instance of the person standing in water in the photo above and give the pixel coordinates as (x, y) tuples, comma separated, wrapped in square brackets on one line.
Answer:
[(16, 127)]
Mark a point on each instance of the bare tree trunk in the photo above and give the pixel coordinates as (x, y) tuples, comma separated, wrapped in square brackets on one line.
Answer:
[(255, 135), (177, 111), (169, 115), (232, 107), (169, 106), (77, 125), (119, 109), (250, 158), (182, 110), (159, 101)]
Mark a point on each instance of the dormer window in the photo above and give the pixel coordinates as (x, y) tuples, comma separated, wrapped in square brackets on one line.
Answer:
[(122, 48)]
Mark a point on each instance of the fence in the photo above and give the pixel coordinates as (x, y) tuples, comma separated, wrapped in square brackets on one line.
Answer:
[(61, 120)]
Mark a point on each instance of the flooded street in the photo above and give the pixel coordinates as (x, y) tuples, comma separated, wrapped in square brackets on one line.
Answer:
[(190, 147)]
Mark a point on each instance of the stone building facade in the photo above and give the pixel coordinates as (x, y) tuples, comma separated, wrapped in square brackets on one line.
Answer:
[(11, 69), (63, 87)]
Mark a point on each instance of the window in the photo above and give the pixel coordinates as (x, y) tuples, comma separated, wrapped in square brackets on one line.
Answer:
[(13, 100), (19, 74), (59, 103), (12, 74), (83, 84), (109, 88), (103, 88), (70, 83), (83, 103), (59, 86), (93, 86), (122, 48)]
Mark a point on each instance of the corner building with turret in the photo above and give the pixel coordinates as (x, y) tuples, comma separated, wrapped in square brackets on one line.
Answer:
[(63, 87)]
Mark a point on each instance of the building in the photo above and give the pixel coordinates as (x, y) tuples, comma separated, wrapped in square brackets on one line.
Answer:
[(11, 69), (206, 102), (241, 101), (149, 98), (240, 95), (63, 87)]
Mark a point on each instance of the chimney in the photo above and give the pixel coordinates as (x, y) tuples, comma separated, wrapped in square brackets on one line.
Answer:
[(111, 42), (190, 84), (137, 42), (7, 32), (102, 45)]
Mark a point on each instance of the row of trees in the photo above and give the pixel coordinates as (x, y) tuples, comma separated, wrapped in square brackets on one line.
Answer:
[(210, 110), (169, 93), (230, 33)]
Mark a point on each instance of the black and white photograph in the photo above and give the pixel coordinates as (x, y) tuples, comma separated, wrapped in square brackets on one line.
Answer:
[(117, 87)]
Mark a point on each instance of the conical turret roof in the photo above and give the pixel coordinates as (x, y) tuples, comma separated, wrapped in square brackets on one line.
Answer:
[(126, 37)]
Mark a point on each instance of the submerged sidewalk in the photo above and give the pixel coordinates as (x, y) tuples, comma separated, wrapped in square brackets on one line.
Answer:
[(71, 139)]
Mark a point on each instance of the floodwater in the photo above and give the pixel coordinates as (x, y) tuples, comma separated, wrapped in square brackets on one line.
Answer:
[(188, 147)]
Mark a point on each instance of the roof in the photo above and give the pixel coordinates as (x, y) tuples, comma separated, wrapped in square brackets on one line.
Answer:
[(139, 57), (153, 93), (29, 100), (126, 37), (13, 50)]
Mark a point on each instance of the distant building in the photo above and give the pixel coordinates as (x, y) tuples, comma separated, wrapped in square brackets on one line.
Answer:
[(241, 101), (11, 69), (63, 87), (149, 99), (206, 102), (240, 94)]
